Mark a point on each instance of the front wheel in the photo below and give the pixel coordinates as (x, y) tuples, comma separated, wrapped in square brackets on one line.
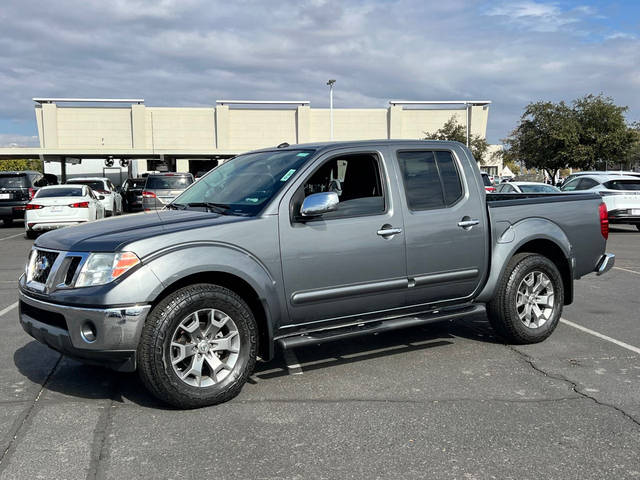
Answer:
[(198, 346), (528, 301)]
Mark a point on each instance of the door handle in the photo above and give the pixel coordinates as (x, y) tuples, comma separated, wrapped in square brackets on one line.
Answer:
[(385, 231), (467, 224)]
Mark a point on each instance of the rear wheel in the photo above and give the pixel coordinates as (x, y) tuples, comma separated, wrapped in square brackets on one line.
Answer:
[(30, 234), (7, 222), (528, 301), (198, 346)]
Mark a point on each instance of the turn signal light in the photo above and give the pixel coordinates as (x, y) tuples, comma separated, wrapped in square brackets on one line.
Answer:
[(33, 206), (80, 205), (123, 263), (604, 221), (32, 193), (147, 194)]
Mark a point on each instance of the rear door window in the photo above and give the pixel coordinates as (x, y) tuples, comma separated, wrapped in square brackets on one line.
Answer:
[(623, 185), (431, 179), (586, 184)]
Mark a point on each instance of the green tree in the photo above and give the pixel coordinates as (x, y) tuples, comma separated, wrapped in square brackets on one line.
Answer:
[(452, 130), (605, 138), (632, 158), (21, 164), (547, 138)]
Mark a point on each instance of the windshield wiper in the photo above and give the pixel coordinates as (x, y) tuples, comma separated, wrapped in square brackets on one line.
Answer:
[(176, 206), (220, 208)]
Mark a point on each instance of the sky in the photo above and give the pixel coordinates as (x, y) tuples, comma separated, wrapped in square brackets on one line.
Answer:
[(192, 53)]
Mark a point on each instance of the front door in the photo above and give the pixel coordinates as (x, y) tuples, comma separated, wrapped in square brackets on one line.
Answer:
[(344, 263), (445, 225)]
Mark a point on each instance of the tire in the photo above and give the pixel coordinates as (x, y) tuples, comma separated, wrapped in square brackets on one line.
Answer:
[(7, 222), (168, 324), (30, 234), (515, 296)]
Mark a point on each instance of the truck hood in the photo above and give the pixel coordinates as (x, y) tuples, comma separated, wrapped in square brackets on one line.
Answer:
[(111, 234)]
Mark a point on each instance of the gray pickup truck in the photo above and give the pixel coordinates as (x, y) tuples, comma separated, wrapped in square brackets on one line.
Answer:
[(300, 245)]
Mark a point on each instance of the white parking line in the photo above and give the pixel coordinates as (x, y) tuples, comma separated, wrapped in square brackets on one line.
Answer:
[(8, 309), (600, 335), (12, 236), (293, 365), (627, 270)]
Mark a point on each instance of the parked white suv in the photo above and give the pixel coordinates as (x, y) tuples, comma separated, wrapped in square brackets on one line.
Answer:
[(112, 201)]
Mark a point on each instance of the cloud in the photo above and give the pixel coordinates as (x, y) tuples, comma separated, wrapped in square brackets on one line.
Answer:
[(193, 52), (14, 140)]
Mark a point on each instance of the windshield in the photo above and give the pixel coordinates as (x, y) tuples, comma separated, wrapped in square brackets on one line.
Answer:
[(538, 188), (168, 182), (96, 185), (245, 184), (623, 185), (59, 192), (16, 180)]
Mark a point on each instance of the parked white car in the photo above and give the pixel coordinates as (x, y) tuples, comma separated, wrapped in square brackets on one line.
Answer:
[(620, 193), (526, 187), (102, 186), (59, 206)]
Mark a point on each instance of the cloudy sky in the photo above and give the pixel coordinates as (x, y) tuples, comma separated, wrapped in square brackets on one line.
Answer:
[(191, 52)]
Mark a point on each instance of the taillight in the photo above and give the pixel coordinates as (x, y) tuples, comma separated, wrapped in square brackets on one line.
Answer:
[(80, 205), (490, 189), (32, 193), (33, 206), (147, 194), (604, 221)]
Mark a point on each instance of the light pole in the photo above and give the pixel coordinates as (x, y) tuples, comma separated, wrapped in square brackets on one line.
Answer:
[(331, 83)]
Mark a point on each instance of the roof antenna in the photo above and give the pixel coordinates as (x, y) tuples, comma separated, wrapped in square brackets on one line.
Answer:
[(283, 145)]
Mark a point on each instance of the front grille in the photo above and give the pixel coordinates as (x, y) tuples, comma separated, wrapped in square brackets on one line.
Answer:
[(71, 270), (43, 265), (49, 318)]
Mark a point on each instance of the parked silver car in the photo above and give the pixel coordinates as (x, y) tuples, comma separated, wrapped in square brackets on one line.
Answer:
[(526, 187), (162, 188)]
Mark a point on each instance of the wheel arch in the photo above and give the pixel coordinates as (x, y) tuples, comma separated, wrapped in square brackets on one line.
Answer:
[(239, 286), (533, 235)]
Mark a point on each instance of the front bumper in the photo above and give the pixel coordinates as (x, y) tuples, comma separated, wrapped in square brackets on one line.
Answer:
[(62, 327), (605, 263)]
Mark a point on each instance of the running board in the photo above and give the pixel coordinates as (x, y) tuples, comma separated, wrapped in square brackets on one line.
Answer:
[(357, 330)]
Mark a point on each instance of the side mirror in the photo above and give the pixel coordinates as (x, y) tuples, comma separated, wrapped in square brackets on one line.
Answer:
[(318, 204), (100, 197)]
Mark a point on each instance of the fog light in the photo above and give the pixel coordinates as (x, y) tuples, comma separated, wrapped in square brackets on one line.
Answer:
[(88, 332)]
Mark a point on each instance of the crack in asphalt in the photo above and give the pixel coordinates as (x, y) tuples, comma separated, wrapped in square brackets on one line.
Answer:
[(27, 414), (101, 433), (574, 386)]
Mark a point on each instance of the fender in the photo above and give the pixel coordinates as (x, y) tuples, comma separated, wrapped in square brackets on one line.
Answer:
[(508, 241), (177, 262)]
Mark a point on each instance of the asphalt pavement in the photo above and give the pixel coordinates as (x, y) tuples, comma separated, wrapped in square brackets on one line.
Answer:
[(444, 401)]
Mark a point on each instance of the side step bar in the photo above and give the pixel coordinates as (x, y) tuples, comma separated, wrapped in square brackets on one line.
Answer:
[(351, 331)]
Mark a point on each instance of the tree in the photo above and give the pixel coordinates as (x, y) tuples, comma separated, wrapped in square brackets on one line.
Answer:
[(452, 130), (21, 164), (632, 158), (547, 137), (605, 138)]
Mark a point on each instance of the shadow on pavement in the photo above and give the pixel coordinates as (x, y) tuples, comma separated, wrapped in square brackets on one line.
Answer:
[(74, 379)]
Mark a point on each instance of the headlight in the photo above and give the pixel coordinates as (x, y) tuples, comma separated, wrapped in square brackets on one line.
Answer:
[(101, 268)]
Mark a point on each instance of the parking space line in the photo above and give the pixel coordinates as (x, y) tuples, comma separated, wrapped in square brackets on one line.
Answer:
[(12, 236), (627, 270), (293, 365), (8, 309), (601, 336)]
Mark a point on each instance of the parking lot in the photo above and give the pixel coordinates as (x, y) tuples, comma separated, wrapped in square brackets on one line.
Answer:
[(443, 401)]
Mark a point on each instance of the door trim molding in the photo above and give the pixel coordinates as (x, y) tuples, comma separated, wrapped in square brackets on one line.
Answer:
[(434, 278), (335, 293)]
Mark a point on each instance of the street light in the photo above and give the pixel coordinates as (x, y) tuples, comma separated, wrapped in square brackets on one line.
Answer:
[(331, 83)]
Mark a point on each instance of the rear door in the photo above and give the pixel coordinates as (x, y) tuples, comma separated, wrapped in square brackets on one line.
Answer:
[(345, 263), (445, 225)]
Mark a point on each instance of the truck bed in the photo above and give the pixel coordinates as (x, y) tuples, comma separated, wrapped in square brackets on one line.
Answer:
[(576, 214)]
